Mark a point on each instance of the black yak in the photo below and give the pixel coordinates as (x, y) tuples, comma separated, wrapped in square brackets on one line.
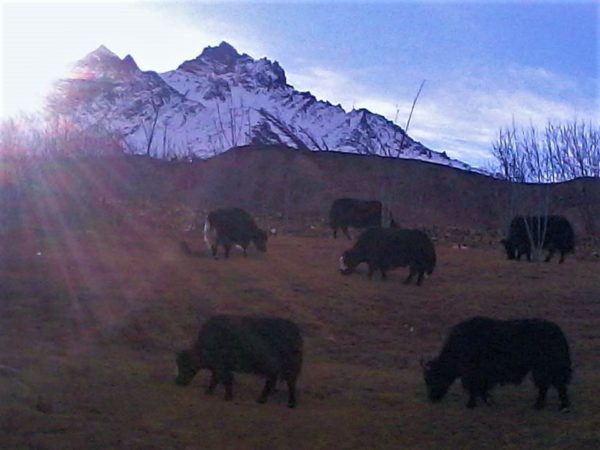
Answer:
[(485, 352), (387, 248), (556, 231), (271, 347), (351, 212), (232, 226)]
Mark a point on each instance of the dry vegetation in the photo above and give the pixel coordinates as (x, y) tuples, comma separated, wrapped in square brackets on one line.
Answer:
[(94, 301)]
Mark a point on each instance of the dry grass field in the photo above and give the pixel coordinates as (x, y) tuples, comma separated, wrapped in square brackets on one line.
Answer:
[(92, 313)]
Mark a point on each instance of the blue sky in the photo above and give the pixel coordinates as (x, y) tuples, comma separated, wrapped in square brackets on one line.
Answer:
[(485, 64)]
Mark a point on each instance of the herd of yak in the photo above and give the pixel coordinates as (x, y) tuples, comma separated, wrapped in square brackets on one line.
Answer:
[(482, 352)]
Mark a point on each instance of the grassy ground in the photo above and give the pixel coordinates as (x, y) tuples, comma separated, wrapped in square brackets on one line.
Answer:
[(90, 318)]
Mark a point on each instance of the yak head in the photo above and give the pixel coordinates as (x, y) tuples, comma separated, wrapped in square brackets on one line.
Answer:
[(260, 240), (348, 262), (437, 380), (187, 367), (509, 247)]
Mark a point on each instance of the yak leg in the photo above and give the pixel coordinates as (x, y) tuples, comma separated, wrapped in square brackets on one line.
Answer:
[(562, 257), (226, 378), (227, 249), (411, 274), (540, 402), (551, 254), (213, 249), (291, 392), (213, 383), (487, 398), (245, 244), (420, 278), (345, 230), (524, 251), (335, 232), (564, 398), (383, 271), (518, 253), (475, 386), (371, 269), (472, 403), (542, 382), (269, 385), (474, 392)]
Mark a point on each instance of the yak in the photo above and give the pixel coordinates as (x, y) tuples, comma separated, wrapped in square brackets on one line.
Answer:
[(556, 231), (484, 352), (267, 346), (351, 212), (232, 226), (387, 248)]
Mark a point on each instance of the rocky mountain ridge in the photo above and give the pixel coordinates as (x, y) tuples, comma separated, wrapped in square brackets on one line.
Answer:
[(219, 100)]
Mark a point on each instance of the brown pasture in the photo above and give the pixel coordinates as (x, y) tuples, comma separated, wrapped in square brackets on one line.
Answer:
[(91, 315)]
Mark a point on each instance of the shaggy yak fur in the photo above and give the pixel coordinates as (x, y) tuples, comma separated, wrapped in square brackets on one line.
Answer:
[(271, 347), (556, 232), (233, 226), (351, 212), (485, 352), (387, 248)]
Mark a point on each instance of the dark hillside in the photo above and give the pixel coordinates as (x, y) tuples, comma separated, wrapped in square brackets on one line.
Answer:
[(423, 194), (297, 185)]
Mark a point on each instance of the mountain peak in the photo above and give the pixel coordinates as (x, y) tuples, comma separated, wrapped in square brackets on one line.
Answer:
[(104, 63), (129, 63), (224, 53), (222, 65), (218, 100), (102, 52)]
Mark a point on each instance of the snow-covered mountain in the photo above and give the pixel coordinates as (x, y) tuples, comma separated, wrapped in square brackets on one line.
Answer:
[(219, 100)]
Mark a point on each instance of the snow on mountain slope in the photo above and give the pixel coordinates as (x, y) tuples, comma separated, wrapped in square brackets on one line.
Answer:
[(219, 100)]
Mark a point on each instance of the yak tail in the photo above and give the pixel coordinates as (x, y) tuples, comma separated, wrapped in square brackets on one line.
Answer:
[(209, 234)]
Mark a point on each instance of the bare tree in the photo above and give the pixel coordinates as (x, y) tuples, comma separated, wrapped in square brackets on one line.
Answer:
[(150, 129), (230, 133), (9, 138), (390, 182), (410, 115), (55, 134), (558, 153)]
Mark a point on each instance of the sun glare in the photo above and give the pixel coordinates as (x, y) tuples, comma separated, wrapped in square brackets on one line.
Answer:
[(42, 40)]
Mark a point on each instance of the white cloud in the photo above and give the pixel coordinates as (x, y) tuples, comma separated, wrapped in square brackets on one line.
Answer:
[(325, 84), (462, 114)]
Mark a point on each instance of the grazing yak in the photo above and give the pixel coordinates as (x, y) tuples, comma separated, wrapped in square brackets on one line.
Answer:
[(271, 347), (387, 248), (484, 352), (558, 235), (232, 226), (350, 212)]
